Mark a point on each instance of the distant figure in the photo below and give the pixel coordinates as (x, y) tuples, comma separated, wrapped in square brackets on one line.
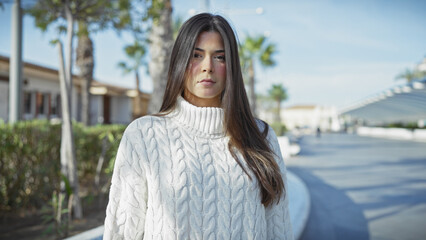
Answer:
[(204, 167), (318, 132)]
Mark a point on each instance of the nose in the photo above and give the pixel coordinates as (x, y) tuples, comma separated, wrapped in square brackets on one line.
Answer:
[(207, 65)]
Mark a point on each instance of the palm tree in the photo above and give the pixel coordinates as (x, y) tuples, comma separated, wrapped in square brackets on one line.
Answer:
[(255, 49), (119, 15), (278, 93), (136, 54), (409, 75)]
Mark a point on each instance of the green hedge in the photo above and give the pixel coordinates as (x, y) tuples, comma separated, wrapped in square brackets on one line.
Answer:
[(30, 159), (279, 128), (410, 125)]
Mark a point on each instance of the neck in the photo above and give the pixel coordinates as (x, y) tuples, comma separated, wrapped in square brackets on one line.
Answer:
[(201, 102)]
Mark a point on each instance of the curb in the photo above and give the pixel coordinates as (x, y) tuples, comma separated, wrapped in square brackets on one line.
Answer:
[(299, 203), (92, 234)]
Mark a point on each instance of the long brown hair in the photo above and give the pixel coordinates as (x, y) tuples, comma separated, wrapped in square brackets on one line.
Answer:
[(239, 122)]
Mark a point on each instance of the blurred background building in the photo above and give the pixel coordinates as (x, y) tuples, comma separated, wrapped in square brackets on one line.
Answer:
[(311, 117), (41, 97)]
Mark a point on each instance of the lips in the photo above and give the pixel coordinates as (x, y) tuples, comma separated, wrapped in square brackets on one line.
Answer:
[(207, 82)]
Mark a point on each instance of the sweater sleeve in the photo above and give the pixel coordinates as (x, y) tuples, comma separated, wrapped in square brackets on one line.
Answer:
[(277, 214), (126, 210)]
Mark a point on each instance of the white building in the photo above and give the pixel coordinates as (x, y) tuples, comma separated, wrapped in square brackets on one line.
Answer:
[(311, 117), (306, 117), (422, 66), (41, 96)]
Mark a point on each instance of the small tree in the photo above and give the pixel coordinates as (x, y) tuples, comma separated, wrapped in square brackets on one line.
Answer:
[(278, 93), (410, 75), (136, 54), (255, 49), (64, 14), (46, 12)]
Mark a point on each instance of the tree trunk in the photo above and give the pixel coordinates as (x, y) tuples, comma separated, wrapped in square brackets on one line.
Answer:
[(138, 112), (278, 116), (15, 66), (85, 63), (68, 161), (70, 37), (101, 161), (161, 42), (252, 90)]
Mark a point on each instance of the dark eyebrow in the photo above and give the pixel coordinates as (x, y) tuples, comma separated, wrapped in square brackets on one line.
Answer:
[(202, 50)]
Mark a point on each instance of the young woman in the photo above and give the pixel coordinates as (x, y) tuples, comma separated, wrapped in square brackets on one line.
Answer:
[(203, 168)]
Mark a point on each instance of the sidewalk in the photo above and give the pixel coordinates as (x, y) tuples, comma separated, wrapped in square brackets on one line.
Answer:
[(362, 187)]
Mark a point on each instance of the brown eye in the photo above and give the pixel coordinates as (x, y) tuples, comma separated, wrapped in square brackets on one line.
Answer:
[(221, 58), (196, 55)]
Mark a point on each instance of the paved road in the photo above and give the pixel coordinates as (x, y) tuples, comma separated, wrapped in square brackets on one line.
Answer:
[(363, 188)]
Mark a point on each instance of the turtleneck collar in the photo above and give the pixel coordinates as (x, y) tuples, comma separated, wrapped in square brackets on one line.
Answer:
[(204, 120)]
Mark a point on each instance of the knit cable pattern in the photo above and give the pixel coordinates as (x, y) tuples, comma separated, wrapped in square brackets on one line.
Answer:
[(180, 186), (175, 178), (209, 191), (224, 193)]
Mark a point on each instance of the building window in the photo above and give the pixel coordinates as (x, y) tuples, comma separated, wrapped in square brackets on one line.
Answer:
[(27, 102), (48, 104), (56, 105), (40, 99)]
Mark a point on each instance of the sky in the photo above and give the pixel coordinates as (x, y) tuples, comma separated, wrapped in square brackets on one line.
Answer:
[(329, 52)]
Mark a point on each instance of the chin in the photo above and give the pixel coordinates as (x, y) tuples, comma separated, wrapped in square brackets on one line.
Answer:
[(207, 96)]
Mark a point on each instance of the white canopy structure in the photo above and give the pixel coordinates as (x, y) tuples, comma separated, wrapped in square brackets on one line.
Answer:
[(406, 103)]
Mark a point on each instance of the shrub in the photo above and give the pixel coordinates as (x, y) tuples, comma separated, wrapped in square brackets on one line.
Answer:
[(30, 159), (279, 128), (409, 125)]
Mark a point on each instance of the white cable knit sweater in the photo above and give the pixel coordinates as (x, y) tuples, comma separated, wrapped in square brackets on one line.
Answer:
[(174, 178)]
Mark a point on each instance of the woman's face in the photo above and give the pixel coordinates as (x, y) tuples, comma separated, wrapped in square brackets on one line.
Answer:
[(206, 72)]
